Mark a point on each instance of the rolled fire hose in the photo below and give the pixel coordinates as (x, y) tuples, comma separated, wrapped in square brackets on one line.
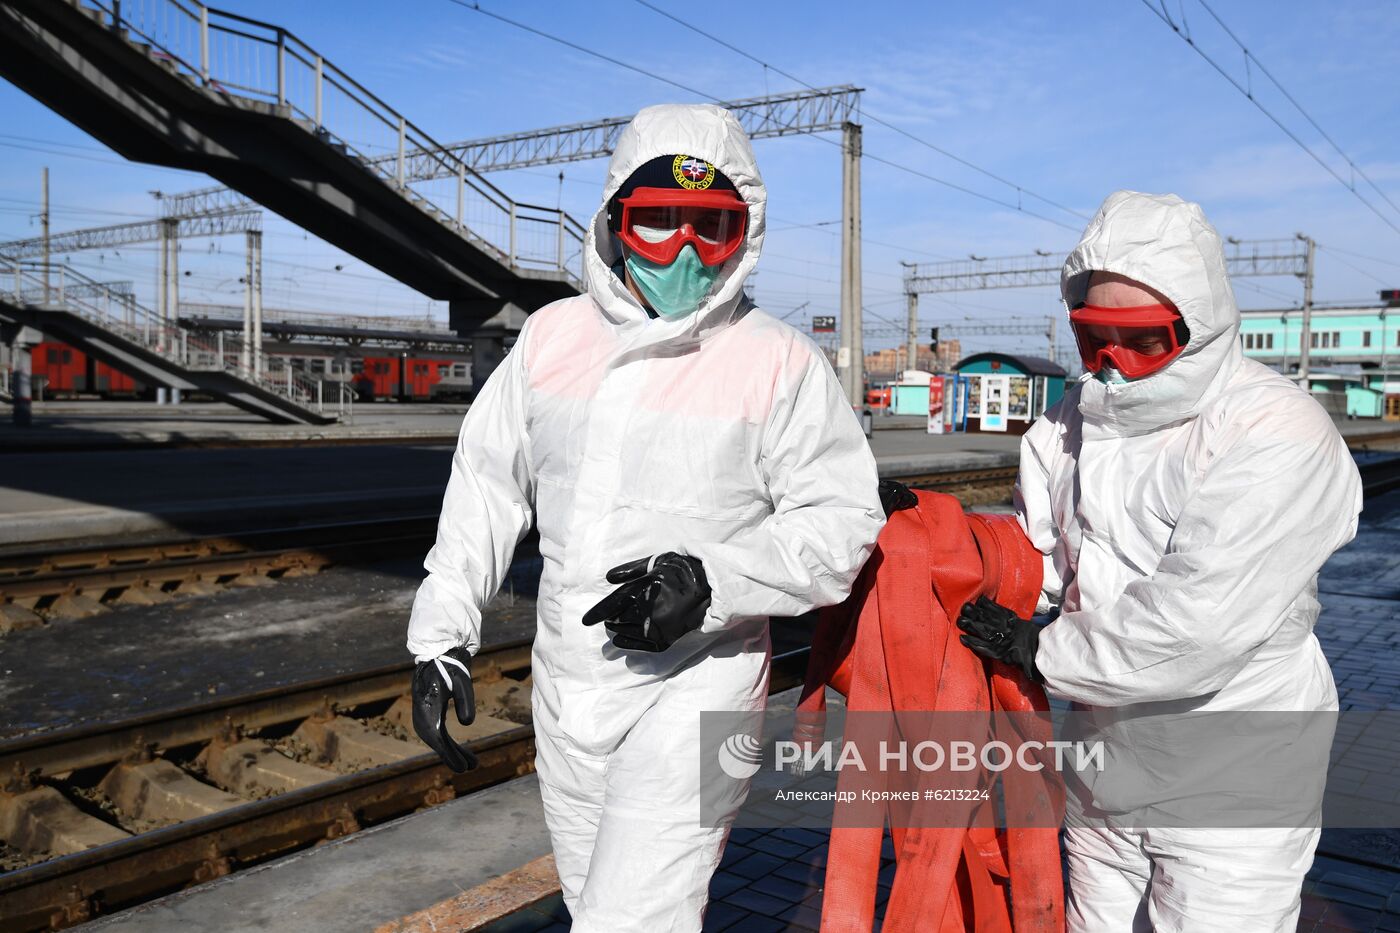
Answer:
[(893, 646)]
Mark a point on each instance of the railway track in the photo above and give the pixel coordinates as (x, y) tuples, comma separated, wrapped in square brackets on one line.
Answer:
[(76, 582), (72, 582), (1380, 440), (972, 487), (106, 816), (67, 582)]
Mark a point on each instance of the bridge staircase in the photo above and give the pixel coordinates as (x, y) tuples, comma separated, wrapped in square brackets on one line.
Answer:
[(68, 307), (177, 83)]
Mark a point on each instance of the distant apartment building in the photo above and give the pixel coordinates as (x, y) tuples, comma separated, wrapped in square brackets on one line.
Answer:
[(883, 365)]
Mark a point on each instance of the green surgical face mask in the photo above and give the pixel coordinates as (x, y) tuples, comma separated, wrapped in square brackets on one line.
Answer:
[(1110, 376), (675, 290)]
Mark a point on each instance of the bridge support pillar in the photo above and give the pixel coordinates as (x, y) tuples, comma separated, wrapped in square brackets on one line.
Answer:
[(488, 349), (491, 338), (21, 340), (23, 412)]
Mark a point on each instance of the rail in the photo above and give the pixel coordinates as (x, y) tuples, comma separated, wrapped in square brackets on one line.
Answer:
[(358, 765), (239, 57)]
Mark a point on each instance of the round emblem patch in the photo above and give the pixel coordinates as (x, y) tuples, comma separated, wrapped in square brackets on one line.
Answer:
[(693, 173)]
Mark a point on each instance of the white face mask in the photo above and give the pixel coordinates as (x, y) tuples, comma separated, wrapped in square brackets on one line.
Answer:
[(1110, 376)]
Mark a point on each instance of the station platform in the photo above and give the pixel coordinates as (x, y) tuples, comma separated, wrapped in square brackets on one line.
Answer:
[(56, 496), (116, 425), (431, 870), (126, 425), (87, 425)]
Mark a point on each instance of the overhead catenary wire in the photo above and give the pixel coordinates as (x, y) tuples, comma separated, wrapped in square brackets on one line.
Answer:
[(73, 209), (689, 89), (1248, 92), (866, 114), (1355, 255), (1265, 291), (58, 153), (1355, 268), (477, 7), (1292, 100), (821, 225)]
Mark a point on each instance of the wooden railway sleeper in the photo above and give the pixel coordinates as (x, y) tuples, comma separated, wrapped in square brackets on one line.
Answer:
[(344, 824), (216, 864), (441, 792), (75, 909)]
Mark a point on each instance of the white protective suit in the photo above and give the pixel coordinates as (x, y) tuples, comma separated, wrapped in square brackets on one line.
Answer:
[(1184, 517), (723, 435)]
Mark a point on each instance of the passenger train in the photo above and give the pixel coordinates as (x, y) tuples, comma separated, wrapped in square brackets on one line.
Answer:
[(61, 371)]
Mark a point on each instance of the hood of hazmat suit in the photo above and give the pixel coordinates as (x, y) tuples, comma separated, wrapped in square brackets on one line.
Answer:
[(722, 435), (1184, 517)]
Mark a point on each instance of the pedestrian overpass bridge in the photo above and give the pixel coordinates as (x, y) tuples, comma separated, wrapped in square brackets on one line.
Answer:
[(176, 83)]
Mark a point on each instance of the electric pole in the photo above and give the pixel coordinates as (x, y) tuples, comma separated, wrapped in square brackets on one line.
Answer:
[(913, 341), (1307, 310), (44, 220), (850, 358)]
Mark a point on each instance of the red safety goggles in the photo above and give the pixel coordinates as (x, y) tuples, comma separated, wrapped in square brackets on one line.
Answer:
[(1136, 341), (658, 222)]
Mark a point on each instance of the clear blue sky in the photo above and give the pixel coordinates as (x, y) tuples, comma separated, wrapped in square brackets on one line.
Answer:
[(1067, 100)]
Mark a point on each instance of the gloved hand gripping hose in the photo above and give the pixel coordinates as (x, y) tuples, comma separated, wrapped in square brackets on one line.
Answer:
[(896, 497), (995, 632)]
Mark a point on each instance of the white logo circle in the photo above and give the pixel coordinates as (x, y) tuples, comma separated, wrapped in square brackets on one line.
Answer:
[(740, 756)]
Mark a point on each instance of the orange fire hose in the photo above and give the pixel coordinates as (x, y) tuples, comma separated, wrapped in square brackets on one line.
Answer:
[(893, 646)]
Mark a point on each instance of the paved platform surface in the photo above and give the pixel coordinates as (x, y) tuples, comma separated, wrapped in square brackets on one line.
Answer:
[(118, 424), (78, 425), (356, 883), (54, 496), (91, 425)]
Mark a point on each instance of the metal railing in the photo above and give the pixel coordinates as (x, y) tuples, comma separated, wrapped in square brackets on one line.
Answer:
[(246, 59), (425, 325), (112, 307)]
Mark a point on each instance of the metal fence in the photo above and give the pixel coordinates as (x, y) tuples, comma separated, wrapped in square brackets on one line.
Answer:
[(242, 58), (112, 307)]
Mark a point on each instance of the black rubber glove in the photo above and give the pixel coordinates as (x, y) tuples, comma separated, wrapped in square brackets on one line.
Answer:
[(896, 497), (995, 632), (434, 683), (660, 599)]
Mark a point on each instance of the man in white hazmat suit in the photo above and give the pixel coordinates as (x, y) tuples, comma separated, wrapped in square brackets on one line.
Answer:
[(665, 434), (1185, 499)]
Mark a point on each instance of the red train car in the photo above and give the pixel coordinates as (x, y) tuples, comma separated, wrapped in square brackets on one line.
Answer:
[(68, 372), (406, 378), (62, 371)]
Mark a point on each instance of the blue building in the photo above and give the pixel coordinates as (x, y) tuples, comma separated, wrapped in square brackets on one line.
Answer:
[(1340, 335), (1351, 352)]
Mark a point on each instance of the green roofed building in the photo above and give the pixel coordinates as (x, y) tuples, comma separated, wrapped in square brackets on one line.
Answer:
[(1004, 393)]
